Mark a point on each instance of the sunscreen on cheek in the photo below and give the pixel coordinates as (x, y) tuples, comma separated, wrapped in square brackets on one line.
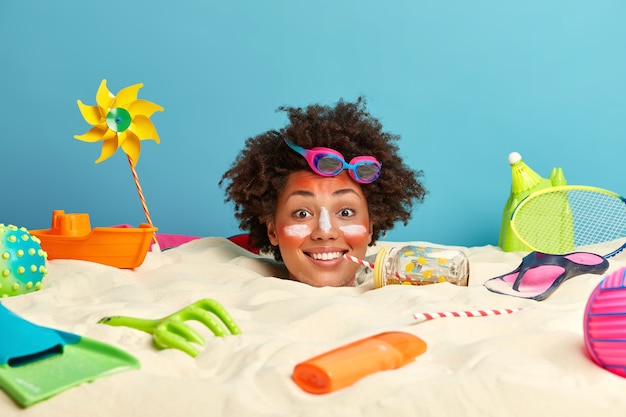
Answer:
[(353, 230), (297, 230)]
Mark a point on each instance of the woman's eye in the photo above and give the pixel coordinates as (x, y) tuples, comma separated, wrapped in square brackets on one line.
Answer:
[(346, 212), (302, 214)]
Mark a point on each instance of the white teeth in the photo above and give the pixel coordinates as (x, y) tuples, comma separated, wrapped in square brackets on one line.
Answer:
[(326, 256)]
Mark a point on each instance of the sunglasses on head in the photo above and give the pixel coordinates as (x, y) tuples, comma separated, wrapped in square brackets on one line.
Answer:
[(328, 163)]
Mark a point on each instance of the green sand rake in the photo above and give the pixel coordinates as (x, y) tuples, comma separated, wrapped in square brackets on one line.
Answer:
[(172, 331)]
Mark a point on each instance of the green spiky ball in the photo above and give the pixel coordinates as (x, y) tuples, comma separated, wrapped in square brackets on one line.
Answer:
[(22, 261)]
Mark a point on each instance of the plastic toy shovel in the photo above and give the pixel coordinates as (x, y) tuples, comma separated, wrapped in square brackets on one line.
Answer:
[(39, 362)]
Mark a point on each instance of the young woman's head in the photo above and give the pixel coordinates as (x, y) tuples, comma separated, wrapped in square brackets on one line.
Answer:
[(308, 217)]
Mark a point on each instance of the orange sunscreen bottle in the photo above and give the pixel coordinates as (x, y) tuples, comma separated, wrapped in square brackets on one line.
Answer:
[(347, 364)]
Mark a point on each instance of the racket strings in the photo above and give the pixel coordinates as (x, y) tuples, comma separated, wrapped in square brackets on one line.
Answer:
[(597, 217), (561, 221)]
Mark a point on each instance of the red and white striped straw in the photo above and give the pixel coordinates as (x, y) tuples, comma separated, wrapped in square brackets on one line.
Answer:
[(470, 313), (371, 265), (358, 261)]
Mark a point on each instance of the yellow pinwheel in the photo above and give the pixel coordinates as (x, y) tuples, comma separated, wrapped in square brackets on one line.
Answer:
[(119, 121)]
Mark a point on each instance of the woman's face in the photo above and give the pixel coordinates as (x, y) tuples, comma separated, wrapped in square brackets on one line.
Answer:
[(317, 220)]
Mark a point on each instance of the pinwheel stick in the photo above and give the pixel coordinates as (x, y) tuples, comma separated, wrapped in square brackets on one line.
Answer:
[(143, 200)]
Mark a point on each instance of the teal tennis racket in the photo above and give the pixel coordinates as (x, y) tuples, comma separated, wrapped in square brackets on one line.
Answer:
[(566, 218)]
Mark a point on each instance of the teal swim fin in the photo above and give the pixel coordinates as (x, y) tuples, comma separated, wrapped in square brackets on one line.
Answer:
[(38, 362)]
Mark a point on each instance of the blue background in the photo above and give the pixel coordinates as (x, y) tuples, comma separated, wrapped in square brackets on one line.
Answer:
[(464, 83)]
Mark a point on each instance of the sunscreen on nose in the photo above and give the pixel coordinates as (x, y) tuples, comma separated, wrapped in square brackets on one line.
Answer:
[(347, 364), (324, 220)]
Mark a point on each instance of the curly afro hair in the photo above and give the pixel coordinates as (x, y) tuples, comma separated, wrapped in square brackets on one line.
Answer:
[(260, 171)]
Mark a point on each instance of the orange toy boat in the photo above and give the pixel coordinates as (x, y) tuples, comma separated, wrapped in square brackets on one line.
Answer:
[(71, 237)]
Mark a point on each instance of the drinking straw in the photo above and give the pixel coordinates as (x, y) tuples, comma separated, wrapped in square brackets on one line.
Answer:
[(468, 313)]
